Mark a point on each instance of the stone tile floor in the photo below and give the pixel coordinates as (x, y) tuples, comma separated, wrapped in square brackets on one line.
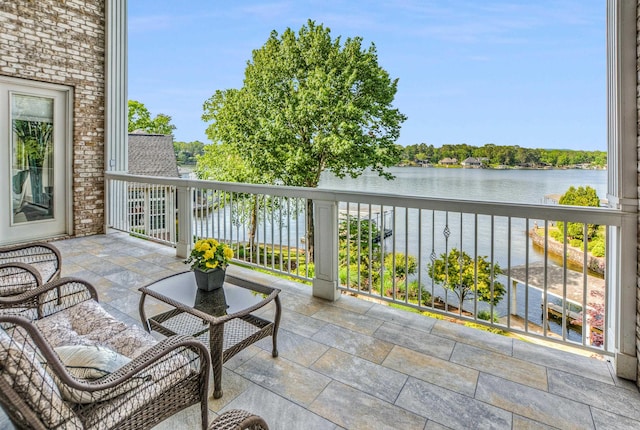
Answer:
[(356, 364)]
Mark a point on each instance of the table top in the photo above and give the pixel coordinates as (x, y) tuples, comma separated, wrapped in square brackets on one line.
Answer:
[(236, 295)]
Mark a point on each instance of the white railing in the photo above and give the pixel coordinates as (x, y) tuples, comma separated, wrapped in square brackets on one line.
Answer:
[(494, 264)]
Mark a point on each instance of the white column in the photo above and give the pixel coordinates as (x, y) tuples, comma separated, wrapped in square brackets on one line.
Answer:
[(116, 121), (185, 222), (325, 252), (622, 141)]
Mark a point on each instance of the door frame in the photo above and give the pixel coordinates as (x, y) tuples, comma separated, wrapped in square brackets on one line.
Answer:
[(63, 117)]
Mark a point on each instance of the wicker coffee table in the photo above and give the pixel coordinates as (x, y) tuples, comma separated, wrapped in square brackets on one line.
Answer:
[(222, 318)]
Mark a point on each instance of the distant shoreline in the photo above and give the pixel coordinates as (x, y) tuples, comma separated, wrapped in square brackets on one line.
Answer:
[(501, 167)]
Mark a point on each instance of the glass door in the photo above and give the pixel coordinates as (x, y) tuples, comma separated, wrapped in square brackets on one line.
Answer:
[(35, 155)]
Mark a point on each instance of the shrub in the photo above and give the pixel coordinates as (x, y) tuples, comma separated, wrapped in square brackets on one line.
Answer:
[(596, 248), (486, 316), (302, 268), (576, 243)]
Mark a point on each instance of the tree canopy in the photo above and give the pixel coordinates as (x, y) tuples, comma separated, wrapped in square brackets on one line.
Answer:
[(581, 196), (467, 277), (139, 118), (220, 162), (310, 103)]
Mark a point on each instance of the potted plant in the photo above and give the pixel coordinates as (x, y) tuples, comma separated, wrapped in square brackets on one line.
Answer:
[(209, 260)]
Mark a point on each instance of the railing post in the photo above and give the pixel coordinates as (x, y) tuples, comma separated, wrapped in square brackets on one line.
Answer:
[(325, 282), (185, 222), (622, 297)]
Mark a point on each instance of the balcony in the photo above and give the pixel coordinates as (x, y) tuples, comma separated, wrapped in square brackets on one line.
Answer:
[(511, 267), (357, 363)]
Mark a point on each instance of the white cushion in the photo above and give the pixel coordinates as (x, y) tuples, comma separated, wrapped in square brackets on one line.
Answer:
[(90, 361)]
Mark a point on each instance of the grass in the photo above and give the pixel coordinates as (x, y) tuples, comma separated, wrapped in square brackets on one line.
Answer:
[(446, 318)]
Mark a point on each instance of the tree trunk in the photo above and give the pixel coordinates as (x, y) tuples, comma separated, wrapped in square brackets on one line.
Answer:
[(310, 229), (254, 225)]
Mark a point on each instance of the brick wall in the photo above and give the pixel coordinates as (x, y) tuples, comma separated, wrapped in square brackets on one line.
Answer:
[(63, 42)]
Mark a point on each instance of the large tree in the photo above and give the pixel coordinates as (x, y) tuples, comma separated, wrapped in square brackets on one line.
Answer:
[(310, 103), (139, 118)]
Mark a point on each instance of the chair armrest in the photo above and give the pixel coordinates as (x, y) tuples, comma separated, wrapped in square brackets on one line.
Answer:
[(200, 359), (152, 363), (167, 378), (54, 296), (237, 419), (38, 252), (16, 278)]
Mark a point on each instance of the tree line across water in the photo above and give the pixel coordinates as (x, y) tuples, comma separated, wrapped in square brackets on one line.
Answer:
[(495, 155), (187, 153)]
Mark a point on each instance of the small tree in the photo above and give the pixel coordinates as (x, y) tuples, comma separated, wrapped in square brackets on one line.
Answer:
[(581, 196), (398, 267), (354, 250), (456, 271), (359, 254)]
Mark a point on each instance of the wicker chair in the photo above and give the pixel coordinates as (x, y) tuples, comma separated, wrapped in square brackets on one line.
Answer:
[(237, 419), (38, 391), (24, 267)]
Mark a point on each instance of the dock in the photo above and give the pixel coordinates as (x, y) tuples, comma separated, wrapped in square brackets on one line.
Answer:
[(376, 214), (581, 290), (555, 281)]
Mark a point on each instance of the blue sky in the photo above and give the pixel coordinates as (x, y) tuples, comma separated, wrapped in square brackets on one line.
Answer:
[(508, 72)]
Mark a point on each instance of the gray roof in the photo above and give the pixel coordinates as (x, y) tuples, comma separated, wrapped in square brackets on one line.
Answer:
[(152, 155), (472, 160)]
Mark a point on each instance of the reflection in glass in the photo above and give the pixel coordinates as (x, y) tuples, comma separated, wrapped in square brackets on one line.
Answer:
[(32, 158), (211, 302)]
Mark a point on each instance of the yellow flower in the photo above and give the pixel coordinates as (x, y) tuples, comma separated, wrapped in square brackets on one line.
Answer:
[(210, 254)]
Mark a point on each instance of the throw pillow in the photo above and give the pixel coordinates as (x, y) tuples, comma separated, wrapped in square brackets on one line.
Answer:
[(91, 362)]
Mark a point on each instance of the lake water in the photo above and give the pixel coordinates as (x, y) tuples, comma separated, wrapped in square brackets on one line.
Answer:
[(514, 185)]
